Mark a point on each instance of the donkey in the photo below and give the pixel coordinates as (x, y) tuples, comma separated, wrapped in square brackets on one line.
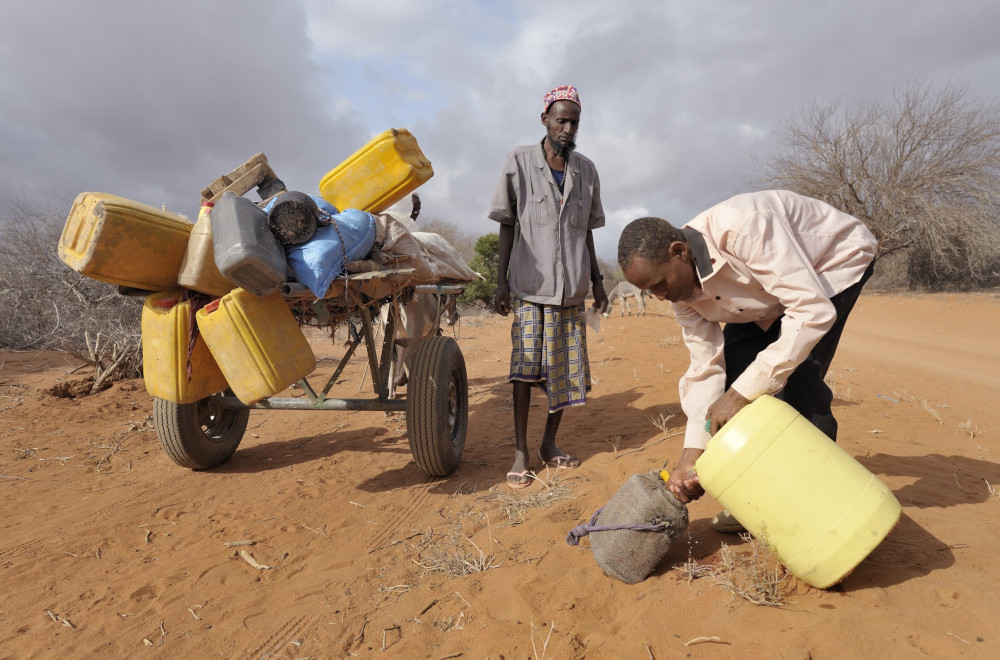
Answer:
[(419, 318), (622, 292)]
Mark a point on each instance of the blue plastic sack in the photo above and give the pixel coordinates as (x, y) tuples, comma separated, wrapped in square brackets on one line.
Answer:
[(319, 260)]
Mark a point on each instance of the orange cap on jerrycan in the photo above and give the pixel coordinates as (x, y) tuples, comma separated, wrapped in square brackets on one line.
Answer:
[(818, 508)]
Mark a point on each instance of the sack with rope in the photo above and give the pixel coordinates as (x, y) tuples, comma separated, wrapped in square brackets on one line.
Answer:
[(633, 532), (319, 260), (444, 259), (395, 247)]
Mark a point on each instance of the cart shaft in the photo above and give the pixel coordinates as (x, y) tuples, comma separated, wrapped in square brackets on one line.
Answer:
[(325, 404)]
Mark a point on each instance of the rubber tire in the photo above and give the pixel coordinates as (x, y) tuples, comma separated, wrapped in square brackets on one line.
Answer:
[(199, 435), (437, 406)]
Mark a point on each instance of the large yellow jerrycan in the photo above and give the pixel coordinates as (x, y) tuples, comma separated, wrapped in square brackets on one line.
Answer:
[(257, 342), (379, 174), (116, 240), (818, 509), (167, 325)]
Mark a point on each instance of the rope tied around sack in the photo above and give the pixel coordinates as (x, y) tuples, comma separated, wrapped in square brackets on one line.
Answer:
[(578, 532), (343, 247)]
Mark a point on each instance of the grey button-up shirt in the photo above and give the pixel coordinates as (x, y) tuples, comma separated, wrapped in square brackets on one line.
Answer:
[(549, 261)]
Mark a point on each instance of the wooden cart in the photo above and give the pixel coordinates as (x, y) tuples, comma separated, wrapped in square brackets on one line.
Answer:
[(206, 433)]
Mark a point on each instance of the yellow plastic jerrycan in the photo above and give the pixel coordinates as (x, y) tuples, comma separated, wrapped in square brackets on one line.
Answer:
[(379, 174), (167, 323), (116, 240), (198, 269), (819, 510), (257, 343)]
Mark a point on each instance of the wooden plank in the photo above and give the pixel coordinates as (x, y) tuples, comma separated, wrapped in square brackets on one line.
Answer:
[(252, 172), (240, 186)]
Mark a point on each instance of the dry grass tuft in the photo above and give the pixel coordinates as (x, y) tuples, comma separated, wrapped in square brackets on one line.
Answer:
[(837, 394), (756, 576), (692, 570), (115, 357), (993, 491), (448, 555), (969, 428), (927, 406), (663, 422), (515, 504), (539, 654)]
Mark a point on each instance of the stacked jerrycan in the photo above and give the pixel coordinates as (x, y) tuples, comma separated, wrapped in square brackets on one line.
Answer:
[(379, 174), (199, 271), (257, 343), (115, 240), (818, 508), (168, 324), (255, 347), (239, 333)]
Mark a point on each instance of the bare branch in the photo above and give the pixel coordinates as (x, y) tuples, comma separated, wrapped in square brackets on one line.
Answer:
[(921, 169)]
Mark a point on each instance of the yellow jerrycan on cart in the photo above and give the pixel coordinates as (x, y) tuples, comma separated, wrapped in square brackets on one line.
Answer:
[(256, 342), (379, 174), (167, 324), (818, 508)]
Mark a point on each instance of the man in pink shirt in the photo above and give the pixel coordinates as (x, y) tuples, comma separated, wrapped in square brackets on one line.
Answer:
[(761, 285)]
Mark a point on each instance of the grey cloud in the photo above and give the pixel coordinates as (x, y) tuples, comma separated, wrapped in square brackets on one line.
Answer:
[(152, 100)]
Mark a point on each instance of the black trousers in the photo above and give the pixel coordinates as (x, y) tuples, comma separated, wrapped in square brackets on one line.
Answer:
[(805, 390)]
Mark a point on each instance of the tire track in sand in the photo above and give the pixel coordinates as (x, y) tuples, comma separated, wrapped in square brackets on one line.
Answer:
[(289, 632), (385, 534), (33, 545)]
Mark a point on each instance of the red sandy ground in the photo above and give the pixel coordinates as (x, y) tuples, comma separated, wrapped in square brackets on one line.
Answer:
[(108, 549)]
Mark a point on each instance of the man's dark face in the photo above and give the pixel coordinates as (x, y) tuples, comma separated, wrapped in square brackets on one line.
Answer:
[(561, 121), (672, 280)]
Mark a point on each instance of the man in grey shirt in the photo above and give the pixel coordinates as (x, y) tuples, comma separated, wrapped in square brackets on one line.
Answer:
[(548, 202)]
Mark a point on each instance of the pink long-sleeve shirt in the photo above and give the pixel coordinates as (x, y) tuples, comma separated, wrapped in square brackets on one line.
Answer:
[(764, 254)]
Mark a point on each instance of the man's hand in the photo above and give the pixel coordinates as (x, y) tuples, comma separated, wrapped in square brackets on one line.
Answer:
[(724, 408), (600, 297), (683, 481), (501, 300)]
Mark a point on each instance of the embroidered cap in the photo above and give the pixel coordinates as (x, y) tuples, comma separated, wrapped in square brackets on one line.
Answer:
[(562, 93)]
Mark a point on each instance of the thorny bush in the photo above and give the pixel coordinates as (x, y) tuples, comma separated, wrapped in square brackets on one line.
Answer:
[(48, 306)]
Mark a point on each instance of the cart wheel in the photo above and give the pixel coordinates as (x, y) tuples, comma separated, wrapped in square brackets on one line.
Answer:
[(437, 405), (199, 435)]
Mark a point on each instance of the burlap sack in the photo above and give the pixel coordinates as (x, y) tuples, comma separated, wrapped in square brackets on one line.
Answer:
[(444, 259), (395, 247), (630, 555), (398, 244)]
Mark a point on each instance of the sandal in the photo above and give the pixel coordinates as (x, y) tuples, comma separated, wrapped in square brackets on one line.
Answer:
[(560, 462), (521, 479), (726, 523)]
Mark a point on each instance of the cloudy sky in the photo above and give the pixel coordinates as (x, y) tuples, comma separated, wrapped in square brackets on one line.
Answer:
[(152, 100)]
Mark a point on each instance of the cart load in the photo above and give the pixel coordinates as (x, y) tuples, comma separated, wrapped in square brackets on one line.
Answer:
[(226, 298)]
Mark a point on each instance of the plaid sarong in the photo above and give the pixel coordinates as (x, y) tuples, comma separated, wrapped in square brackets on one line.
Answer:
[(550, 347)]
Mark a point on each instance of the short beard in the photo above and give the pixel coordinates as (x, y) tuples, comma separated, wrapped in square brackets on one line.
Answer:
[(559, 149)]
